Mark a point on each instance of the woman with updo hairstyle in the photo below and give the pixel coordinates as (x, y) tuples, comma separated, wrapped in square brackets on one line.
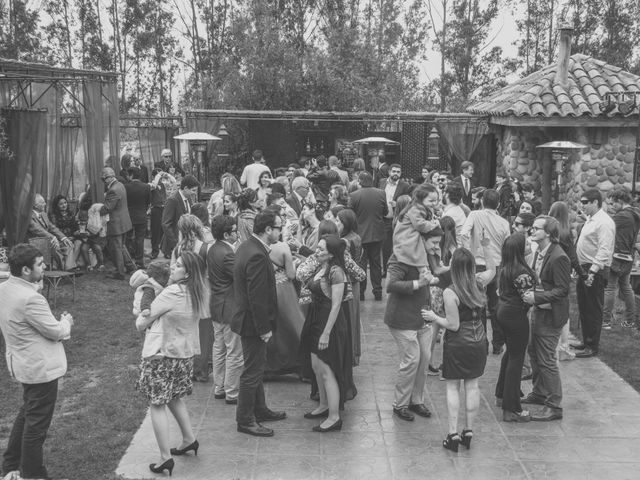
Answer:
[(338, 195), (248, 204), (230, 186), (325, 335)]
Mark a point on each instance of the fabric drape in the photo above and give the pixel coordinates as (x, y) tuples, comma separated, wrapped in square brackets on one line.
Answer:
[(22, 173), (462, 139), (92, 123), (152, 141), (64, 173)]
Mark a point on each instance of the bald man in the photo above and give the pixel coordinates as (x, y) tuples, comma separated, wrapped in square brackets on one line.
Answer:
[(41, 226), (115, 204)]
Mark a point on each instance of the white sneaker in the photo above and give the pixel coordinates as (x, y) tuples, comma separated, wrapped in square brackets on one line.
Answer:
[(565, 353), (14, 475)]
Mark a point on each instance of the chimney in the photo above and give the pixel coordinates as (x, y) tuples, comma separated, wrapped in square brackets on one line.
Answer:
[(564, 52)]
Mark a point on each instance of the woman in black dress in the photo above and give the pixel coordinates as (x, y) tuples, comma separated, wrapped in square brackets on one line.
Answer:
[(516, 277), (325, 334), (464, 354)]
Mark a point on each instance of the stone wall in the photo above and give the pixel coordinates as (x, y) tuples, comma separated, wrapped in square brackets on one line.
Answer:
[(606, 163)]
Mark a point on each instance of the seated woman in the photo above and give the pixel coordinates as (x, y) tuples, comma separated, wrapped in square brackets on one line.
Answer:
[(65, 220), (92, 233)]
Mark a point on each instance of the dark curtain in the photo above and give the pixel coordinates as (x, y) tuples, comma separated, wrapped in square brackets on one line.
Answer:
[(461, 138), (93, 126), (63, 174), (152, 141), (21, 174)]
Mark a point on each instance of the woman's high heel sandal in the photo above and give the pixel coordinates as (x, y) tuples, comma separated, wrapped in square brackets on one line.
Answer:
[(168, 465), (181, 451), (451, 442), (466, 437)]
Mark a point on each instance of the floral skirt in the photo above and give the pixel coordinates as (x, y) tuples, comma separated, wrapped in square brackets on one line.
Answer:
[(162, 379)]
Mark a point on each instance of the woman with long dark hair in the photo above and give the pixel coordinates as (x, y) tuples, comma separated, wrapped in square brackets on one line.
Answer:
[(326, 334), (170, 343), (65, 220), (464, 353), (516, 277), (248, 206)]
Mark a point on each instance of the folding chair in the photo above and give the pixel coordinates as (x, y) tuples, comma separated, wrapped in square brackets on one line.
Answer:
[(52, 278)]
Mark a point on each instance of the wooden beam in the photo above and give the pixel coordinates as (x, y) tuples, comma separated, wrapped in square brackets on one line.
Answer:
[(543, 122)]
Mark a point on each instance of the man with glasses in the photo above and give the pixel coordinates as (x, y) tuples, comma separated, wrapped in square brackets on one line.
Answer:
[(227, 346), (167, 162), (550, 313), (595, 251), (254, 319)]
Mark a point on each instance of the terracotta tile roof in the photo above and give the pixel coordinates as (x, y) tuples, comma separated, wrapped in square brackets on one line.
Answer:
[(538, 95)]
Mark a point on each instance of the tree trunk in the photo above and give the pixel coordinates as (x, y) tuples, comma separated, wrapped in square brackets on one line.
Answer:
[(443, 43)]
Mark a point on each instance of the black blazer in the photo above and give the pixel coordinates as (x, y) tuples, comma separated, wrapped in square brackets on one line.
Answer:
[(466, 199), (173, 210), (138, 198), (254, 286), (370, 206), (220, 262), (403, 188), (555, 278)]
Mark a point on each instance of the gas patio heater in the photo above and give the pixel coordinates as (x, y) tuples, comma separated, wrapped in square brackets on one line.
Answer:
[(375, 149), (560, 151), (198, 155)]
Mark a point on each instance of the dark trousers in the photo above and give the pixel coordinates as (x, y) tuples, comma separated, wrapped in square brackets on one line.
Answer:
[(115, 245), (24, 449), (515, 326), (590, 302), (136, 242), (201, 362), (387, 243), (497, 337), (156, 229), (371, 257), (544, 361), (251, 393)]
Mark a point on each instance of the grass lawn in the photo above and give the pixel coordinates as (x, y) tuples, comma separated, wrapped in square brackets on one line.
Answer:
[(98, 411), (619, 347)]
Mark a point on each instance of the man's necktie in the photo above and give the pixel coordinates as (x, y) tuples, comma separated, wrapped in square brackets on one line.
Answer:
[(466, 186)]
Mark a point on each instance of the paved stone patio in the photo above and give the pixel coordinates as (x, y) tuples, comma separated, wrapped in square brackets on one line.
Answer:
[(597, 439)]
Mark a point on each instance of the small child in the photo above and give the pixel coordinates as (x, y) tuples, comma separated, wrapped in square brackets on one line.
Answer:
[(416, 218), (148, 285)]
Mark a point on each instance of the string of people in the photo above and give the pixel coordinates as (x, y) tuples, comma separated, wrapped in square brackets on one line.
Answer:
[(267, 280)]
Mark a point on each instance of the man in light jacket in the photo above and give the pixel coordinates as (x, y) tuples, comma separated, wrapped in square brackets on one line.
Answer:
[(35, 358)]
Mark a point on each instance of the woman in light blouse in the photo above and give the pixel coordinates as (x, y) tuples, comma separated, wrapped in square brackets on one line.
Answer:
[(170, 343)]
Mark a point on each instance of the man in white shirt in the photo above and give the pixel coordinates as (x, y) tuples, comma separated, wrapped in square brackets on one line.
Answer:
[(452, 200), (251, 173), (36, 359), (595, 252), (486, 227)]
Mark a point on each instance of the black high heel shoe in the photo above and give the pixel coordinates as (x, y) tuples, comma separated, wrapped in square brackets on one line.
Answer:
[(181, 451), (466, 437), (168, 465), (336, 426), (451, 442)]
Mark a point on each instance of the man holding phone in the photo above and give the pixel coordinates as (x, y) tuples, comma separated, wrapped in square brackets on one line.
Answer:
[(35, 357)]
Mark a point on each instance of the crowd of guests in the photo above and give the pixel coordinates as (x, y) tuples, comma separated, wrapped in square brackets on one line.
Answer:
[(266, 278)]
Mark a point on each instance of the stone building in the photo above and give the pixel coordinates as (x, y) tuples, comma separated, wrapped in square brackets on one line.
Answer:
[(579, 99)]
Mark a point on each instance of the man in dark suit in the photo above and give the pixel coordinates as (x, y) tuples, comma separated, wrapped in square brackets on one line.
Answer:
[(370, 206), (115, 204), (254, 319), (299, 193), (138, 198), (550, 313), (177, 205), (465, 180), (227, 346), (392, 187)]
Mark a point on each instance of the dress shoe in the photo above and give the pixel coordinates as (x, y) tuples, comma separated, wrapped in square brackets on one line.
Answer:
[(115, 276), (519, 417), (331, 428), (168, 465), (578, 346), (547, 414), (231, 401), (420, 409), (181, 451), (403, 413), (451, 442), (586, 353), (323, 414), (270, 416), (256, 430), (532, 399), (219, 396)]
